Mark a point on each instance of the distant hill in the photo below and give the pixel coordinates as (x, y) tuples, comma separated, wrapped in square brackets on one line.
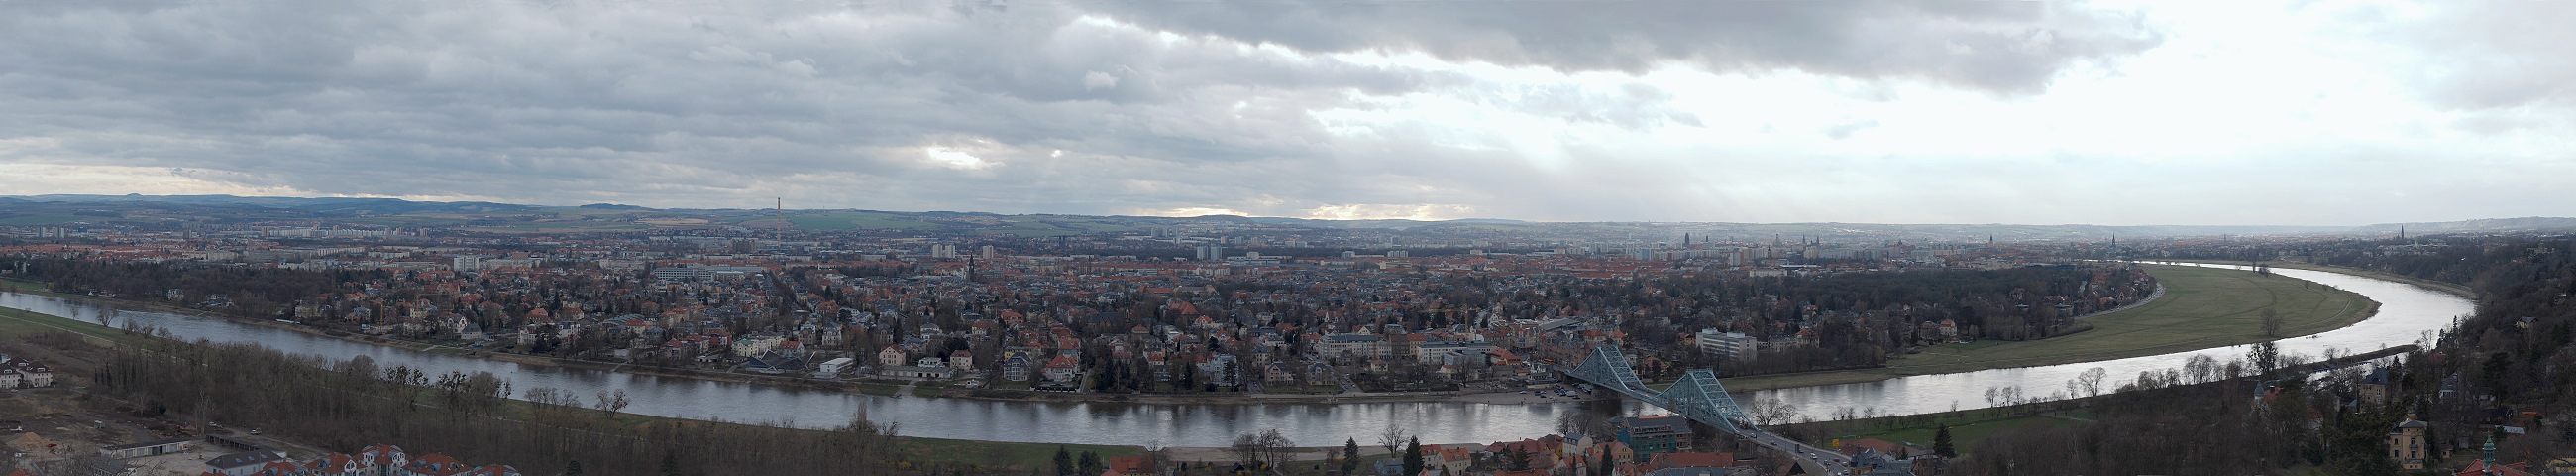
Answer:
[(323, 205), (2478, 225), (166, 209)]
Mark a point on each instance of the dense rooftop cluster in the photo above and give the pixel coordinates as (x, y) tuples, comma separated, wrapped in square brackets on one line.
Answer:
[(1275, 309)]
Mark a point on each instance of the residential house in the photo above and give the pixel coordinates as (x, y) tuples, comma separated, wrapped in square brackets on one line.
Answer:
[(1015, 368), (1454, 459), (1220, 370), (891, 356), (434, 464), (755, 344), (1129, 466), (1688, 460), (279, 468), (1279, 374), (2406, 444), (334, 464), (383, 460), (2376, 387), (29, 373), (1871, 462), (1063, 368)]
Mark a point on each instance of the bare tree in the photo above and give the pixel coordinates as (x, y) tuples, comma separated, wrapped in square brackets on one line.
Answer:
[(611, 402), (1393, 437), (2004, 396), (1769, 411), (1246, 448), (2201, 367), (1582, 423), (1274, 447), (2091, 381), (1157, 455), (2271, 322)]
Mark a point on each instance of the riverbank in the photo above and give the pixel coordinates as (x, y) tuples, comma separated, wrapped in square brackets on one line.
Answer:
[(2454, 289), (983, 455), (2202, 308), (860, 386)]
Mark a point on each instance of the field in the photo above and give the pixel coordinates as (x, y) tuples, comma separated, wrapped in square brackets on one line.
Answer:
[(34, 220), (844, 221), (22, 286), (2452, 288), (16, 324), (985, 454), (1968, 428), (562, 227), (2202, 308), (1032, 229)]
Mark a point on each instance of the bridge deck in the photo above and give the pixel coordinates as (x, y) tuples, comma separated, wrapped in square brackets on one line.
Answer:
[(1700, 398)]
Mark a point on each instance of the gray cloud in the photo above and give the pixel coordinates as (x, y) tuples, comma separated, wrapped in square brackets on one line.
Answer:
[(490, 99), (2013, 47), (1067, 109)]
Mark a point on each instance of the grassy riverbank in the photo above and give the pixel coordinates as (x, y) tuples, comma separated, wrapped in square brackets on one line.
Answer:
[(2202, 308), (15, 324), (2461, 291), (1968, 428)]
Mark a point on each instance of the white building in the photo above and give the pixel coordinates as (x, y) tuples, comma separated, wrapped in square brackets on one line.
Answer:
[(1727, 345), (1354, 346), (833, 368)]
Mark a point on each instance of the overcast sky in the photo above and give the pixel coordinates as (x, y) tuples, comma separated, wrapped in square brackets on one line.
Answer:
[(2241, 112)]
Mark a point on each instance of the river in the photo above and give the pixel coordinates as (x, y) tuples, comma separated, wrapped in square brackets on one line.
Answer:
[(2407, 313)]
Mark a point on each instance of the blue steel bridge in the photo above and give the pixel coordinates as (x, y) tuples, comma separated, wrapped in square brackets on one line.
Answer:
[(1700, 398)]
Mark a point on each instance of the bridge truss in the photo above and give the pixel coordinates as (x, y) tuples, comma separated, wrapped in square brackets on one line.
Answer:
[(1696, 396)]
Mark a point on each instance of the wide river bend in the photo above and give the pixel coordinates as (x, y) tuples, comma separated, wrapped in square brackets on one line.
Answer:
[(2407, 314)]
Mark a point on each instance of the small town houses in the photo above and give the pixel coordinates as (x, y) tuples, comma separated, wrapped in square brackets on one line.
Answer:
[(23, 373), (376, 460)]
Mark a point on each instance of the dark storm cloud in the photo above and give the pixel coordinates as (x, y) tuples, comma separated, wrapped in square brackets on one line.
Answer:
[(2000, 46)]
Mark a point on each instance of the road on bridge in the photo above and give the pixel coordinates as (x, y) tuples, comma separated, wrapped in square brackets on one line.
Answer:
[(1698, 396)]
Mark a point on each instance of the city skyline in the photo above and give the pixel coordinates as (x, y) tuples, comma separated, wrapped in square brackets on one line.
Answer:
[(2109, 113)]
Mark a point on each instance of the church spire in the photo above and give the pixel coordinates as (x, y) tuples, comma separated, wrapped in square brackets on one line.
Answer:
[(2489, 449)]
